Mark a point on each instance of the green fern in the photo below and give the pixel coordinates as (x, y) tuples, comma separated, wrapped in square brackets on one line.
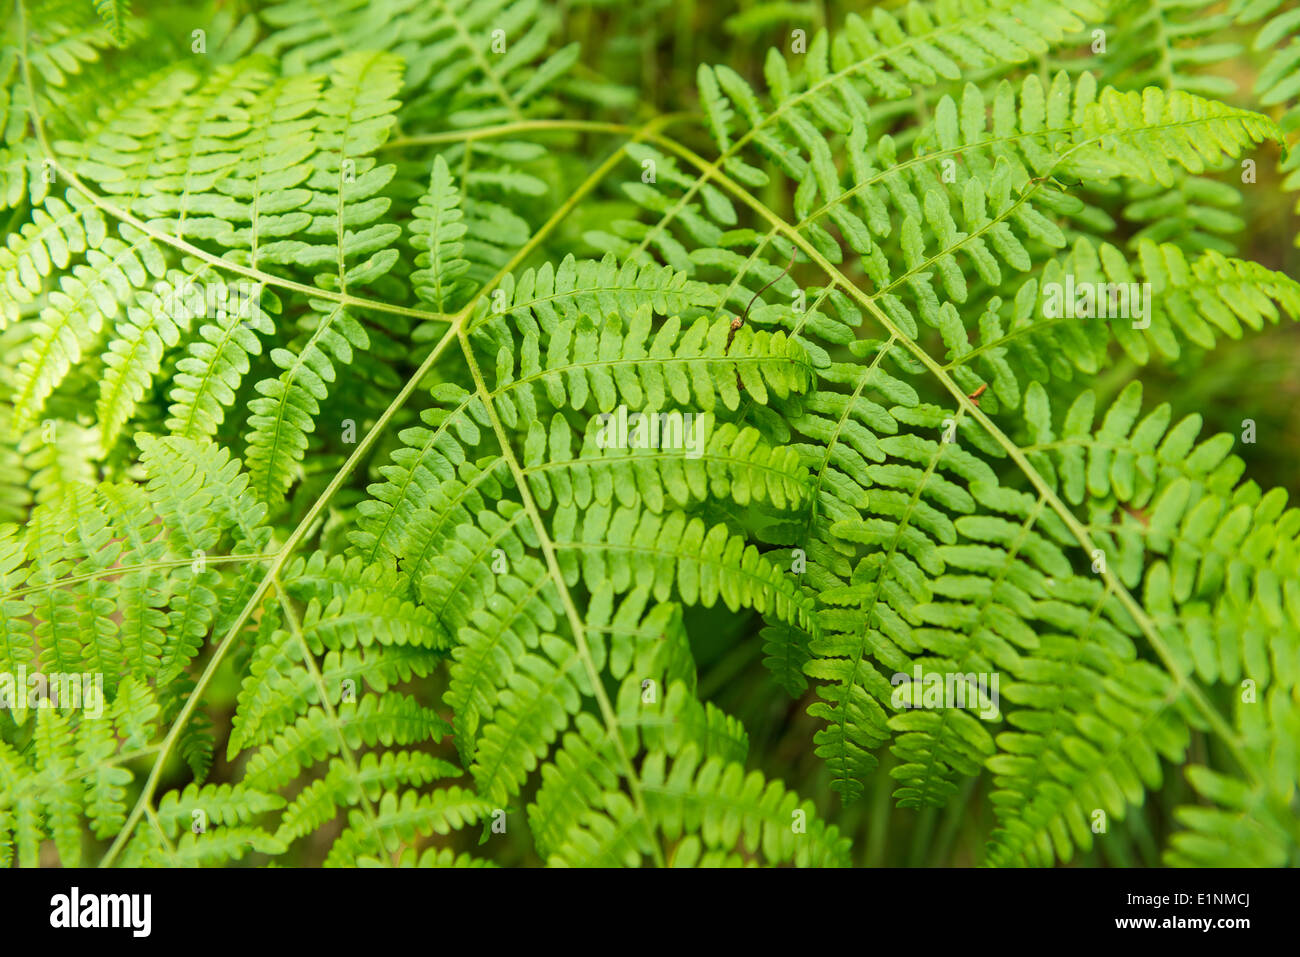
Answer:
[(314, 346)]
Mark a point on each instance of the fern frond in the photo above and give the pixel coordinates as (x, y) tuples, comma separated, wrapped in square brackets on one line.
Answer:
[(115, 14), (401, 820), (464, 417), (730, 817), (1164, 44), (72, 774), (114, 271), (725, 462), (1192, 303), (539, 298), (1251, 819), (438, 231), (356, 115)]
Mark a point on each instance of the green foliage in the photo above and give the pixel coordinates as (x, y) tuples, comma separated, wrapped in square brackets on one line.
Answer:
[(407, 440)]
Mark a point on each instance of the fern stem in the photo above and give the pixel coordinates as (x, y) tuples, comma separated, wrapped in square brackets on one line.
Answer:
[(162, 834), (507, 453), (473, 47), (570, 609), (529, 126), (127, 569), (343, 299), (820, 477), (309, 662), (278, 561)]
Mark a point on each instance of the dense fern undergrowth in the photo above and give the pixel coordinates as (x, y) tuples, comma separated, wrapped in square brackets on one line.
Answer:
[(484, 432)]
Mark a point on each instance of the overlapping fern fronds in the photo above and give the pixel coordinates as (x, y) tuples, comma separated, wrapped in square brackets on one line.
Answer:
[(308, 375)]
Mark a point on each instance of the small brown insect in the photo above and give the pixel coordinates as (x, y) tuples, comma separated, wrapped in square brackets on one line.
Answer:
[(975, 396), (740, 319), (735, 328)]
